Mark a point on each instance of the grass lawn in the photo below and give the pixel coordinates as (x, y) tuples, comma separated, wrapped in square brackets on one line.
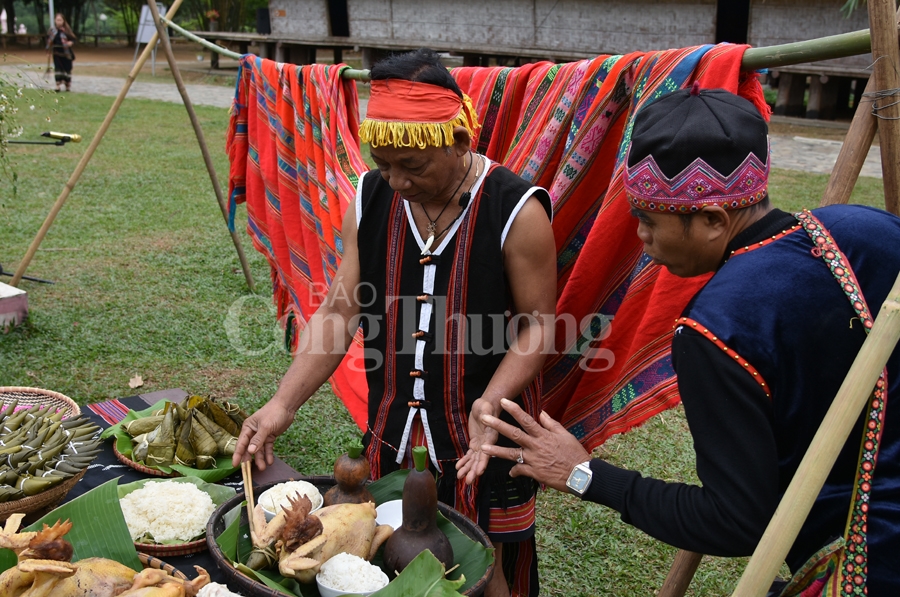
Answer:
[(147, 282)]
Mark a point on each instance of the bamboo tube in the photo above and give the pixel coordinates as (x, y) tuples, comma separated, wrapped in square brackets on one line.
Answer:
[(853, 151), (88, 154), (201, 140), (680, 574), (886, 56), (839, 422)]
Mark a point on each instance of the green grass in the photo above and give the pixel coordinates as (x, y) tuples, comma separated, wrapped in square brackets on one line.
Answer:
[(145, 275)]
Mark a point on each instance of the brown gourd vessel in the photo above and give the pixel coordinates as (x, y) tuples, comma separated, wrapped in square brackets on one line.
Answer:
[(351, 471), (419, 530)]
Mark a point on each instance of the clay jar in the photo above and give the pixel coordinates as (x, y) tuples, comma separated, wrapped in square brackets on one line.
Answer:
[(419, 530)]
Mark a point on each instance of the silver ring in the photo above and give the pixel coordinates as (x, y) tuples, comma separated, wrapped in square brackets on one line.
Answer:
[(521, 457)]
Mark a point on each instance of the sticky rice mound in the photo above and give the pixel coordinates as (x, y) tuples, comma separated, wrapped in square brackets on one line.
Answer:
[(166, 511), (347, 572)]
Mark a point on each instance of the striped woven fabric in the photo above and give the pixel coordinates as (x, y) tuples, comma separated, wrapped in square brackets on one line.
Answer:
[(295, 161), (564, 127)]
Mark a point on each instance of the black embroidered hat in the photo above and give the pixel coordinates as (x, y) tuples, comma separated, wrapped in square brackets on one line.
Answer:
[(697, 147)]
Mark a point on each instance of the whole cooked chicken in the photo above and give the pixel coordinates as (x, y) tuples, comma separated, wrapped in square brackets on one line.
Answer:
[(37, 574), (310, 540)]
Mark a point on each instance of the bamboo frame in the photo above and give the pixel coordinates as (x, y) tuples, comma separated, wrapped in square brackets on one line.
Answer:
[(201, 141), (886, 56), (88, 154)]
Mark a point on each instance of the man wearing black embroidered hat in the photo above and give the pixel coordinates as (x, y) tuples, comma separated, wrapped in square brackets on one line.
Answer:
[(760, 353)]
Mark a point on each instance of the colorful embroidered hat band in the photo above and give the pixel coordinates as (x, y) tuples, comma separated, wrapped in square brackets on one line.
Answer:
[(408, 114), (697, 186)]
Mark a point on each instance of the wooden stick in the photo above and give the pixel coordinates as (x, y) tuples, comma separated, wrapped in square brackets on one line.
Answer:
[(886, 55), (88, 154), (248, 488), (839, 422), (680, 574), (198, 131), (854, 150)]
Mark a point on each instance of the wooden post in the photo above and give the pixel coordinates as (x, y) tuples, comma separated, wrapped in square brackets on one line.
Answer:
[(886, 56), (839, 422), (198, 131), (855, 148), (680, 574), (89, 153), (791, 89)]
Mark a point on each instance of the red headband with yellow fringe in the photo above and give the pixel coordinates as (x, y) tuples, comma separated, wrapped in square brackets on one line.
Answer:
[(408, 114)]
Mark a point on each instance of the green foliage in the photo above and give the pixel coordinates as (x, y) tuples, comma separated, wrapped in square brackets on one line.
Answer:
[(851, 5), (146, 277)]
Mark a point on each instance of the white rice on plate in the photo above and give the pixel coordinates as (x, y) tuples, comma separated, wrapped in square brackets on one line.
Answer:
[(277, 497), (347, 572), (166, 511)]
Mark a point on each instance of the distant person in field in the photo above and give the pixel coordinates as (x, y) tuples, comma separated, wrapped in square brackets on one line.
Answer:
[(60, 40)]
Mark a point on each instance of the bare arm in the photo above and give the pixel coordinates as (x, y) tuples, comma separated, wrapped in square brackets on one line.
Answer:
[(530, 261), (323, 344)]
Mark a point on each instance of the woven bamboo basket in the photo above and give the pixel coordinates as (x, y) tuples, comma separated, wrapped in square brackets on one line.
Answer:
[(248, 586), (179, 549), (140, 467), (45, 499), (151, 562), (29, 397)]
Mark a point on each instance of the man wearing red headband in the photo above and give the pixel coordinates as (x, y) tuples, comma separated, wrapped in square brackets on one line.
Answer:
[(450, 263), (760, 353)]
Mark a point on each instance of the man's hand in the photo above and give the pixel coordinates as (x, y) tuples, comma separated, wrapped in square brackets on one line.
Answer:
[(549, 451), (258, 434), (473, 463)]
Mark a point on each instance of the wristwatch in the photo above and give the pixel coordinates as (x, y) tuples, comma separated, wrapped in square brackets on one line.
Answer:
[(580, 478)]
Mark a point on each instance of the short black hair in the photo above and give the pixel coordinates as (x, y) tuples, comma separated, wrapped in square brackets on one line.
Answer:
[(420, 66)]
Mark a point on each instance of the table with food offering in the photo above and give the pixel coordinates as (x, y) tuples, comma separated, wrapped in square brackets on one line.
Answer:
[(292, 546)]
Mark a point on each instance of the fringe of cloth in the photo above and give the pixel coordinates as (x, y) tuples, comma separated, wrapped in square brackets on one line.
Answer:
[(295, 160)]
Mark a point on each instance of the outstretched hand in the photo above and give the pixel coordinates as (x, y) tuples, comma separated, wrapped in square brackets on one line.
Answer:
[(548, 452), (258, 435), (475, 461)]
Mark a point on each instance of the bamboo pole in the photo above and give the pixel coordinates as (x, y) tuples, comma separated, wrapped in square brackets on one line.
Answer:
[(201, 140), (88, 154), (839, 422), (680, 574), (854, 150), (886, 56), (813, 50)]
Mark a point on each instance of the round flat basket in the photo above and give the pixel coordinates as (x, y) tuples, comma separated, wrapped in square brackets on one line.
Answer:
[(151, 562), (45, 499), (178, 549), (28, 397), (248, 586), (140, 467)]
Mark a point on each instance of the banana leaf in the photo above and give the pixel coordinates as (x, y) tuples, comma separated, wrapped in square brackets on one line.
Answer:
[(426, 578), (219, 494), (98, 528), (124, 445)]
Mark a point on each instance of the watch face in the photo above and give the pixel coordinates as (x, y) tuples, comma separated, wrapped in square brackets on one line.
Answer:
[(579, 480)]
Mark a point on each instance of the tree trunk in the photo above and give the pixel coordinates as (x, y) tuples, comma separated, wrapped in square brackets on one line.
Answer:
[(39, 14), (10, 7)]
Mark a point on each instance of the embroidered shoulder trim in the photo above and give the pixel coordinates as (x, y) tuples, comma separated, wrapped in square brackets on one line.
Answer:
[(730, 352), (763, 243)]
